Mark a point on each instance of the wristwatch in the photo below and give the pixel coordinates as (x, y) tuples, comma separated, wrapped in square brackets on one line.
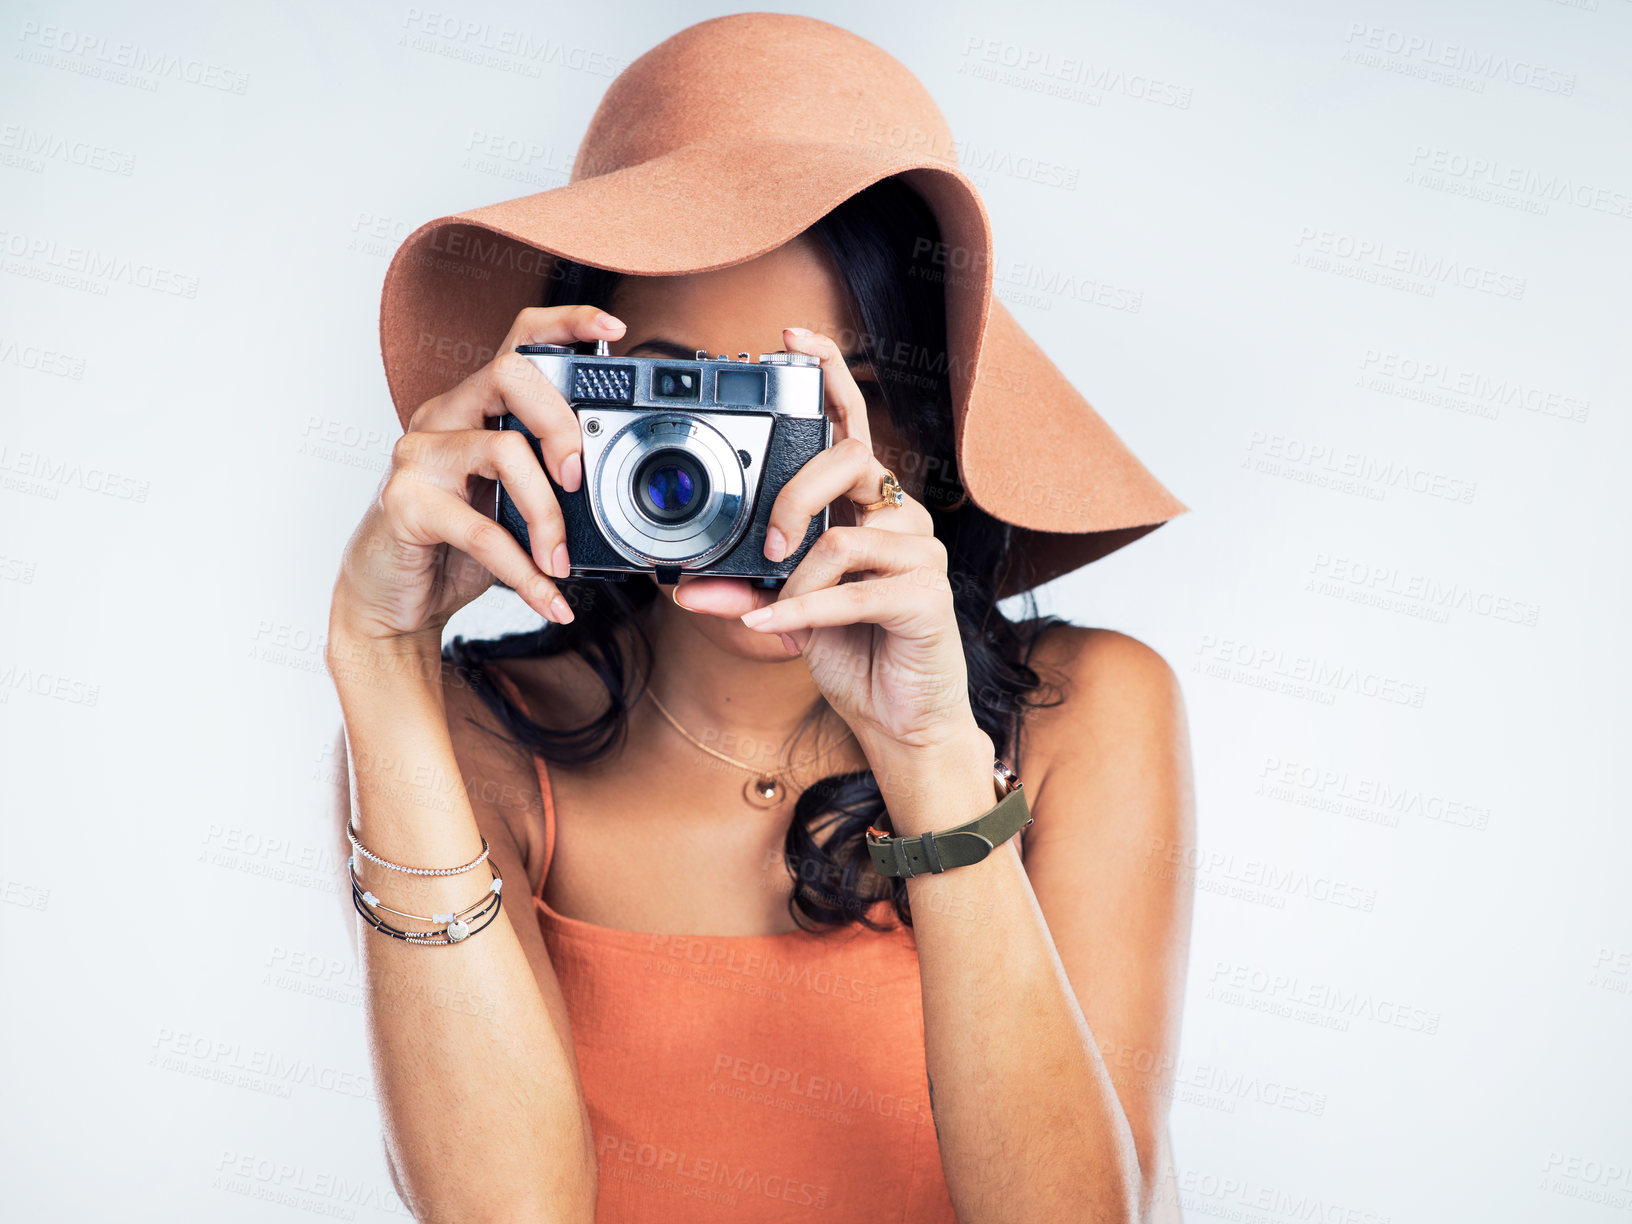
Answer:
[(967, 843)]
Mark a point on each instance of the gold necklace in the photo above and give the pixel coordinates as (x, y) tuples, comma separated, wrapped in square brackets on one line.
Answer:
[(764, 788)]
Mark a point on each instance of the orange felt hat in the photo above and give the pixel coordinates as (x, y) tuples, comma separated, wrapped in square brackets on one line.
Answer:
[(723, 142)]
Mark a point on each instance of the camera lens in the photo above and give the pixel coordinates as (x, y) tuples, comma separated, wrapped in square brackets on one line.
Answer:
[(669, 490), (670, 487)]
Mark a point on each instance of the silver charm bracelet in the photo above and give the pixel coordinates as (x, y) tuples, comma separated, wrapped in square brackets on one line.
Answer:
[(455, 932), (453, 927)]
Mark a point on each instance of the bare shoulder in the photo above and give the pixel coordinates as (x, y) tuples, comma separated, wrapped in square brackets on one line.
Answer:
[(1112, 714), (1092, 675), (1085, 662), (497, 772)]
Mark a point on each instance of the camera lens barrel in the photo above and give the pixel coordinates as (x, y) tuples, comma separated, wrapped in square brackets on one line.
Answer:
[(670, 486)]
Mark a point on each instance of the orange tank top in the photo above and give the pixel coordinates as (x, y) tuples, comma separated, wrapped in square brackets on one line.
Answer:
[(751, 1077)]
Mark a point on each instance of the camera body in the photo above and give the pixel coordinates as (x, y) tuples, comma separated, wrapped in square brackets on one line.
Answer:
[(682, 460)]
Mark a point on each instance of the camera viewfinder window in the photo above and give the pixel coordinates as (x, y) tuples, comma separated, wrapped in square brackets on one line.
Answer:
[(740, 387), (675, 384)]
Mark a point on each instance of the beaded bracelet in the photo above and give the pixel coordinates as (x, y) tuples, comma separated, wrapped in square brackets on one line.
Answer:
[(452, 934), (424, 871), (418, 937), (375, 904)]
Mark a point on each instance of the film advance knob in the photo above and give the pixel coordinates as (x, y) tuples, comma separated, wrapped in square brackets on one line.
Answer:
[(801, 359)]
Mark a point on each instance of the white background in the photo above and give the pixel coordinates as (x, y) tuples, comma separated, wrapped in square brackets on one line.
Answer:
[(1396, 606)]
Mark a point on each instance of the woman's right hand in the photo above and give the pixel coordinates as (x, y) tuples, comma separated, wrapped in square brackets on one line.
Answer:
[(423, 550)]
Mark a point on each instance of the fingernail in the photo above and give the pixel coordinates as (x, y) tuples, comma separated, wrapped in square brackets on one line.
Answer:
[(608, 322), (798, 331), (560, 563), (572, 472), (559, 609), (757, 617), (788, 644), (776, 544)]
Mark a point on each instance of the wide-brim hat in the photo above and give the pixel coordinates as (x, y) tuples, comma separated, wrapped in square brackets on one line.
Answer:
[(723, 142)]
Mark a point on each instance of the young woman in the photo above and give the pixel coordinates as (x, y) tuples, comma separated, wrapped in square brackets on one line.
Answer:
[(700, 998)]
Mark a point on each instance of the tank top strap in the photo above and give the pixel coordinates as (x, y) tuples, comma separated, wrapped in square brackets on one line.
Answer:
[(544, 791), (1016, 726)]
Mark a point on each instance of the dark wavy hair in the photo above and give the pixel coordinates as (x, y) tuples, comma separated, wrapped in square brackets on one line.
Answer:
[(884, 242)]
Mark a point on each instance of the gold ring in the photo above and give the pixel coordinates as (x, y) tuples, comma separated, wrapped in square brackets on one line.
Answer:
[(890, 493)]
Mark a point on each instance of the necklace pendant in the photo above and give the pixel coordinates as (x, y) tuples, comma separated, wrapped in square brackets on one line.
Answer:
[(764, 791)]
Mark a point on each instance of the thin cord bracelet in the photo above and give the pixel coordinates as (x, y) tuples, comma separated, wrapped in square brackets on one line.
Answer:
[(449, 936), (442, 921), (428, 937), (375, 903), (425, 871), (427, 940)]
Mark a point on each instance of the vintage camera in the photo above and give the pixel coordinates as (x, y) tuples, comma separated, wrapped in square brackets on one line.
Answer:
[(682, 460)]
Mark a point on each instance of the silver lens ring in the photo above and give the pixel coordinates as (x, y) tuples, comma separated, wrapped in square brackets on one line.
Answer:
[(701, 538)]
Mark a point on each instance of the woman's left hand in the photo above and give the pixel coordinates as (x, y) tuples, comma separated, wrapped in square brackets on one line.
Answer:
[(870, 605)]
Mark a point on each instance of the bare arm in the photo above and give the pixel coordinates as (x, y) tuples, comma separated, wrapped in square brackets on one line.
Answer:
[(472, 1051), (1052, 988), (485, 1116), (1037, 976)]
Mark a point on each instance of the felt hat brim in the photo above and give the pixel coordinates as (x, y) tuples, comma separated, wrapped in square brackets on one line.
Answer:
[(1031, 450)]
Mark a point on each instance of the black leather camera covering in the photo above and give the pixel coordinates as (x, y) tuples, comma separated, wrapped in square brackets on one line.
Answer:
[(794, 441)]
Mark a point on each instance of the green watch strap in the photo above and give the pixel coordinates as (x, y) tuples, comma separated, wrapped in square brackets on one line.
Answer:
[(958, 847)]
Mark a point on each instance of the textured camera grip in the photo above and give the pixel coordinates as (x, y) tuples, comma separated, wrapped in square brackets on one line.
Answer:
[(585, 544), (794, 442)]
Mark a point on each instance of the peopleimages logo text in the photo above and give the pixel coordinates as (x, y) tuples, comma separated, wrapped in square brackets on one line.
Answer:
[(1471, 60), (1390, 258)]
